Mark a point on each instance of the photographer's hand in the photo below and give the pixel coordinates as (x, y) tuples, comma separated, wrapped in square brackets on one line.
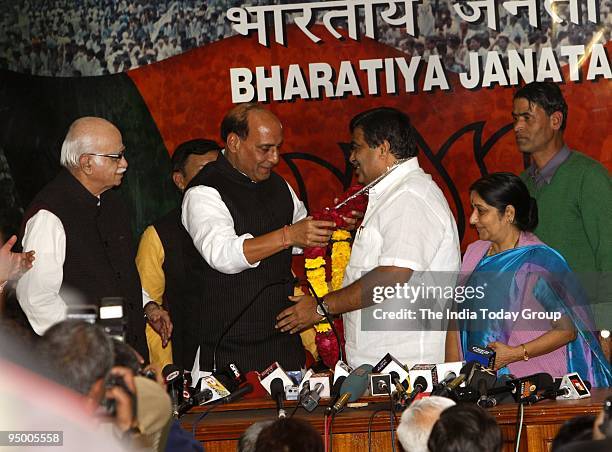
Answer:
[(125, 418)]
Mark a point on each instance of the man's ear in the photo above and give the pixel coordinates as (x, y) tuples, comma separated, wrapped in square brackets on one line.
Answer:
[(178, 180), (85, 164), (556, 120), (384, 149), (232, 142)]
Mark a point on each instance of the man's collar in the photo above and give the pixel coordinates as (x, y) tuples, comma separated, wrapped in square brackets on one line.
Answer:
[(79, 191), (229, 168), (398, 173), (545, 174)]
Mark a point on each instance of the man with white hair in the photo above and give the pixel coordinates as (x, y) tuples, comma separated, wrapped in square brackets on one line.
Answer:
[(81, 232), (418, 420)]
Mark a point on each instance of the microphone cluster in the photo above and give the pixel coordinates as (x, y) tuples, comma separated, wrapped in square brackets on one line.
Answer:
[(470, 382)]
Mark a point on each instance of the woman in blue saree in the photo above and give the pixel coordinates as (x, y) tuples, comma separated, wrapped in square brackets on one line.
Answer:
[(537, 318)]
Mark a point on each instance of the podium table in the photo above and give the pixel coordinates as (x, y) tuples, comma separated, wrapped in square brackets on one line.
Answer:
[(221, 428)]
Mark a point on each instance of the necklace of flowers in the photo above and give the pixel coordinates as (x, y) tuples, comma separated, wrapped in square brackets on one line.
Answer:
[(315, 258)]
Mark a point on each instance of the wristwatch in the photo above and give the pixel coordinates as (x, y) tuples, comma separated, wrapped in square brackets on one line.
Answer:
[(323, 308), (525, 354)]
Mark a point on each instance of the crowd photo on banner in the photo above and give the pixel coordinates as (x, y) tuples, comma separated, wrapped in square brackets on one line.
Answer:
[(89, 37)]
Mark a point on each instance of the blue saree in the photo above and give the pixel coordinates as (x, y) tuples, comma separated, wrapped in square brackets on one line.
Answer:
[(534, 276)]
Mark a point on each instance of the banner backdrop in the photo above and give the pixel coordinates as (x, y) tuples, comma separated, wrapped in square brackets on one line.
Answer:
[(451, 66)]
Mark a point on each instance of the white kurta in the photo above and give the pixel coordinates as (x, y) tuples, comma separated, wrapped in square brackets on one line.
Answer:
[(408, 224)]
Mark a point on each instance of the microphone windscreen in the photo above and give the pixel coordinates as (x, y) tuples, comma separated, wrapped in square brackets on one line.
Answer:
[(277, 388), (420, 381), (545, 381), (335, 391), (171, 372), (357, 382), (468, 370), (502, 382)]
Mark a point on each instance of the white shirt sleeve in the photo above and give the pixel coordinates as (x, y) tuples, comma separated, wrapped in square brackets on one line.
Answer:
[(38, 289), (211, 227), (299, 212), (299, 209), (146, 298)]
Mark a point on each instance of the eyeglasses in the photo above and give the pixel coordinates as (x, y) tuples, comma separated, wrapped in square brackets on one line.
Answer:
[(116, 156)]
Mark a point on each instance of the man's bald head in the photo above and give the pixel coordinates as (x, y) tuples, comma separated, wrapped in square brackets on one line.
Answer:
[(418, 420), (87, 135), (237, 119), (93, 152)]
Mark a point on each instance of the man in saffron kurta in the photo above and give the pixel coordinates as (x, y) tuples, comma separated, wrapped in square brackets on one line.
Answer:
[(161, 261)]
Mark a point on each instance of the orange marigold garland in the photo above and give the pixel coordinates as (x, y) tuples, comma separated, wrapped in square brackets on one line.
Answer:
[(315, 265), (340, 255)]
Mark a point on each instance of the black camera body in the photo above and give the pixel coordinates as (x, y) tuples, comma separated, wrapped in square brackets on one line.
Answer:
[(110, 405)]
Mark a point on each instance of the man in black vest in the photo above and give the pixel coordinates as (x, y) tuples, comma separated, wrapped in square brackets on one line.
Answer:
[(162, 255), (244, 219), (80, 230)]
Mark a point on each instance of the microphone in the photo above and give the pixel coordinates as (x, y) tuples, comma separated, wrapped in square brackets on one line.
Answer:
[(440, 387), (339, 405), (335, 393), (382, 386), (489, 396), (327, 317), (353, 387), (449, 377), (399, 387), (277, 391), (420, 385), (311, 399), (335, 390), (483, 400), (465, 375), (196, 399), (244, 390), (173, 376), (562, 391), (577, 388), (241, 313), (231, 377), (525, 389)]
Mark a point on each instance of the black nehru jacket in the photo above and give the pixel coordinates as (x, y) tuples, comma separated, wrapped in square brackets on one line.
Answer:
[(100, 251), (183, 267), (253, 343)]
